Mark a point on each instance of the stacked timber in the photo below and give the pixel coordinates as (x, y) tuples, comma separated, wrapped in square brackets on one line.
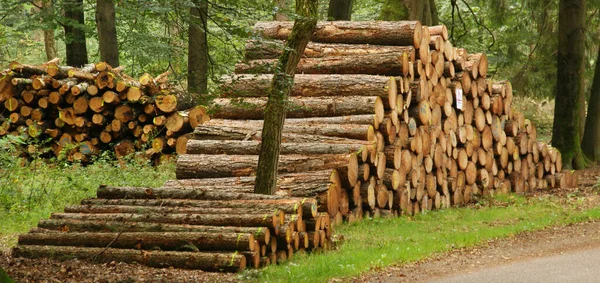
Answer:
[(219, 226), (403, 120), (93, 108)]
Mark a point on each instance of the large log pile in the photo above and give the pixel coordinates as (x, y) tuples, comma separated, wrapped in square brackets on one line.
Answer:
[(405, 122), (93, 108)]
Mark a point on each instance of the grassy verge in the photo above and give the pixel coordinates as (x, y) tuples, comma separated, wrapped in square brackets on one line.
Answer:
[(31, 191), (370, 245)]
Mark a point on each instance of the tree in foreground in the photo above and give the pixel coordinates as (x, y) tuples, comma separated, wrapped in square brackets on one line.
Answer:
[(198, 48), (107, 32), (281, 86), (591, 136), (75, 33), (570, 99), (339, 10)]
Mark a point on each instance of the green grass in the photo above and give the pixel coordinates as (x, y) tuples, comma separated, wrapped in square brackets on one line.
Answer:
[(371, 245), (32, 191)]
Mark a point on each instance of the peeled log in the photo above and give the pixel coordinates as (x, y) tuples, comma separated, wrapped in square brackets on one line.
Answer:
[(306, 85), (407, 33), (144, 240), (253, 108), (272, 49), (211, 166), (253, 147), (230, 262)]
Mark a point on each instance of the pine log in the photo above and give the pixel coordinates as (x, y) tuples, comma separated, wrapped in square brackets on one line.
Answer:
[(349, 131), (241, 220), (158, 193), (306, 85), (306, 107), (407, 33), (253, 148), (218, 133), (216, 261), (272, 49), (387, 64), (211, 166), (202, 241), (291, 206)]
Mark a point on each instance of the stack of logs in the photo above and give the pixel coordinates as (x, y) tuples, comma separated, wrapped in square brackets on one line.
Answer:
[(403, 121), (213, 227), (93, 108)]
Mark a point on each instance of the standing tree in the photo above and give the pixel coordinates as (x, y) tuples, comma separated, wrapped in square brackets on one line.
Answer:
[(591, 137), (570, 100), (281, 86), (198, 48), (280, 6), (339, 10), (107, 32), (419, 10), (47, 12), (75, 33)]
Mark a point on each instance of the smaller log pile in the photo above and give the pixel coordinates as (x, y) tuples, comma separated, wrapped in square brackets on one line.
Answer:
[(86, 110), (217, 226)]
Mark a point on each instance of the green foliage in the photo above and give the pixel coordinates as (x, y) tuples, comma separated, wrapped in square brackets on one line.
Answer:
[(31, 190), (374, 244), (4, 278)]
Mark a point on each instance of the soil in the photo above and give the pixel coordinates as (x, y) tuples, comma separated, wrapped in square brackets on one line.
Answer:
[(551, 241)]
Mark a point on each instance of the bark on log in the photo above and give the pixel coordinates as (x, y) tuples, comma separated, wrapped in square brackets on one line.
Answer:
[(348, 131), (306, 107), (306, 85), (210, 166), (387, 64), (272, 49), (262, 234), (158, 193), (216, 133), (224, 261), (408, 33), (240, 220), (202, 241), (253, 148)]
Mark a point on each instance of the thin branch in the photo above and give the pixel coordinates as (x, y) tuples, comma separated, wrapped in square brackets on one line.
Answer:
[(480, 24)]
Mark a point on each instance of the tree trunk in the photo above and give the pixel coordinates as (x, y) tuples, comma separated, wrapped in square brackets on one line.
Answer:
[(281, 6), (591, 137), (75, 39), (107, 32), (569, 103), (198, 48), (49, 41), (407, 33), (339, 10), (218, 261), (275, 112)]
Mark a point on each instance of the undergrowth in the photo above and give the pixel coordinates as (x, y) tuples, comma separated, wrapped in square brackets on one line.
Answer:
[(31, 189), (371, 245)]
